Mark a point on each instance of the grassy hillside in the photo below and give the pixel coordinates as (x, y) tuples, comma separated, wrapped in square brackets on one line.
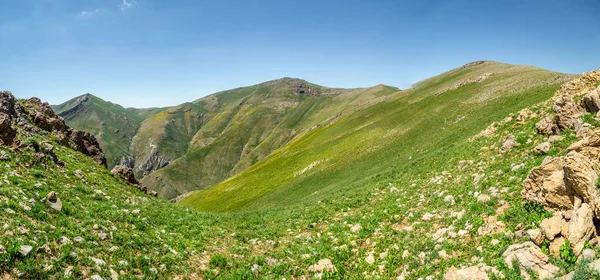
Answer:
[(455, 205), (215, 137), (113, 125), (384, 138)]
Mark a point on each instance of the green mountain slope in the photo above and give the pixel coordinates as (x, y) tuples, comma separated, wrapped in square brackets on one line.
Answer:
[(451, 207), (386, 137), (113, 125), (207, 141)]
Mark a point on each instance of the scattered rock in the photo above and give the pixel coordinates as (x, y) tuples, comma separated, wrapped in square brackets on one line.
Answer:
[(68, 272), (427, 217), (102, 236), (477, 272), (45, 249), (536, 236), (482, 198), (64, 240), (53, 201), (323, 265), (24, 250), (79, 174), (555, 138), (546, 126), (588, 254), (543, 148), (529, 256), (509, 143), (98, 262), (370, 259), (355, 228)]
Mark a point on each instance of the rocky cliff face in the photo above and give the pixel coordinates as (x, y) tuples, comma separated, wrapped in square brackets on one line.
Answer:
[(25, 119)]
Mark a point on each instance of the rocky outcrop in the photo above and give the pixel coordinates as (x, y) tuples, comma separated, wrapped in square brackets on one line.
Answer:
[(575, 97), (34, 117), (126, 173), (567, 186), (7, 133), (87, 144)]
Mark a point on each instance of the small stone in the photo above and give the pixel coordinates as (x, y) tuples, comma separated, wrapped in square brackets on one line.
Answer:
[(98, 262), (24, 206), (54, 201), (79, 174), (495, 242), (96, 277), (68, 272), (79, 239), (543, 148), (536, 236), (405, 254), (483, 198), (10, 211), (44, 249), (2, 250), (113, 248), (64, 240), (136, 211), (442, 254), (427, 217), (154, 270), (323, 265), (370, 259), (355, 228), (102, 236), (25, 250), (123, 263)]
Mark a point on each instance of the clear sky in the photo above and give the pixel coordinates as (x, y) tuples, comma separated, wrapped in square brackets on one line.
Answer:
[(144, 53)]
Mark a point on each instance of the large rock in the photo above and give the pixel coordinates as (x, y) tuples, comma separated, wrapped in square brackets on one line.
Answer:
[(551, 227), (509, 143), (581, 227), (591, 101), (7, 132), (87, 144), (529, 256), (53, 201), (546, 126), (580, 178), (124, 173), (545, 185), (567, 113), (555, 245)]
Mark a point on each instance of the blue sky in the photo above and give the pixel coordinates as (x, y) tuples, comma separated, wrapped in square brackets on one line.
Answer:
[(146, 53)]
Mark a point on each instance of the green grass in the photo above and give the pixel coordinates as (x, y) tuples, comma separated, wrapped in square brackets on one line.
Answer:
[(377, 211)]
